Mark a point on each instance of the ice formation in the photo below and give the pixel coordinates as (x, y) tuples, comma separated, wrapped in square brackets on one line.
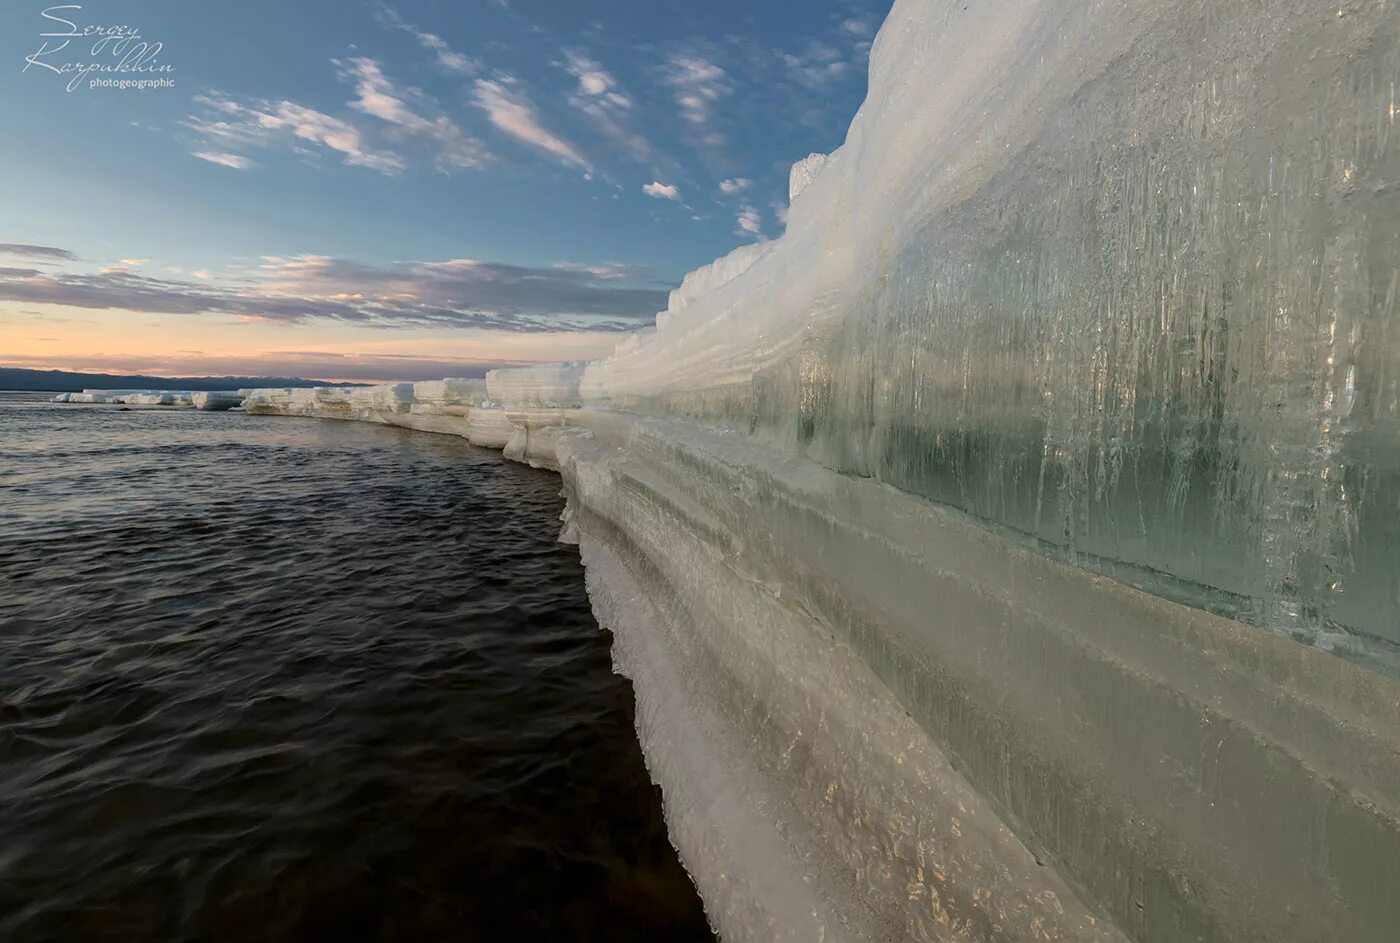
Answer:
[(200, 399), (980, 550), (215, 400), (804, 172)]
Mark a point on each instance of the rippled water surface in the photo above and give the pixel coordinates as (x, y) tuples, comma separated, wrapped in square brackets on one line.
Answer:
[(281, 679)]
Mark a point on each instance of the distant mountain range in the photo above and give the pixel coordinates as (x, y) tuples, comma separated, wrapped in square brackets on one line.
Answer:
[(62, 381)]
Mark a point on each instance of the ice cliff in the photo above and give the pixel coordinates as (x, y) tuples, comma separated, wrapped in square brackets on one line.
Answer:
[(983, 549)]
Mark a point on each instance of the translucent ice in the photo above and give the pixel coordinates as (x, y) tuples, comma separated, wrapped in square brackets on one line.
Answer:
[(1099, 274)]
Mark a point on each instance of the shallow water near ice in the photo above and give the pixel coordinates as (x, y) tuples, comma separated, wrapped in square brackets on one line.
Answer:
[(300, 680)]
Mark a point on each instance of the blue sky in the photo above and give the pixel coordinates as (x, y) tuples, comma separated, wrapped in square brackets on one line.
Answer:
[(438, 182)]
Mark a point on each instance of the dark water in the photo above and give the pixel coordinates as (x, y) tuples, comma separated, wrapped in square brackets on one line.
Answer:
[(280, 679)]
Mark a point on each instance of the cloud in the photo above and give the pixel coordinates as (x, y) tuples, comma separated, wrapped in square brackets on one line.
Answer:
[(662, 191), (451, 293), (512, 112), (260, 122), (445, 56), (607, 270), (817, 64), (857, 26), (780, 212), (224, 159), (36, 252), (593, 80), (321, 365), (378, 97), (698, 84), (749, 222), (734, 185), (134, 263), (599, 96)]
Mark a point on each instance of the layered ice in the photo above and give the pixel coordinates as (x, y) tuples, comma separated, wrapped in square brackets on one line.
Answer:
[(450, 397), (545, 386), (979, 548)]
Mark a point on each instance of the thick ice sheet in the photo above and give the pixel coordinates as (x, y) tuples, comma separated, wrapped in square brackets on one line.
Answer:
[(1117, 276)]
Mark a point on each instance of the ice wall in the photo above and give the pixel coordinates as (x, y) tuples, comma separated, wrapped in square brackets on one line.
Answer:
[(549, 385), (1117, 276)]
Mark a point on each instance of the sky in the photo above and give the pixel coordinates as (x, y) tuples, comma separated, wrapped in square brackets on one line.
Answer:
[(366, 190)]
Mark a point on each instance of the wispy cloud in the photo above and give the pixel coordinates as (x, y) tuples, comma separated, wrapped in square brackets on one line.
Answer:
[(316, 364), (451, 293), (511, 111), (698, 84), (749, 222), (35, 252), (445, 56), (662, 191), (261, 122), (225, 159), (599, 96), (817, 64), (593, 80), (608, 270), (860, 26), (228, 125), (380, 98), (734, 185)]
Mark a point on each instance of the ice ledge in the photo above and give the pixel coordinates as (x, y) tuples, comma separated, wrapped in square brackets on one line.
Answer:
[(871, 719)]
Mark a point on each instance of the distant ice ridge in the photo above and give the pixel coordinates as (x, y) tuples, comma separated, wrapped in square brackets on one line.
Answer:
[(452, 406), (1096, 298), (200, 399)]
